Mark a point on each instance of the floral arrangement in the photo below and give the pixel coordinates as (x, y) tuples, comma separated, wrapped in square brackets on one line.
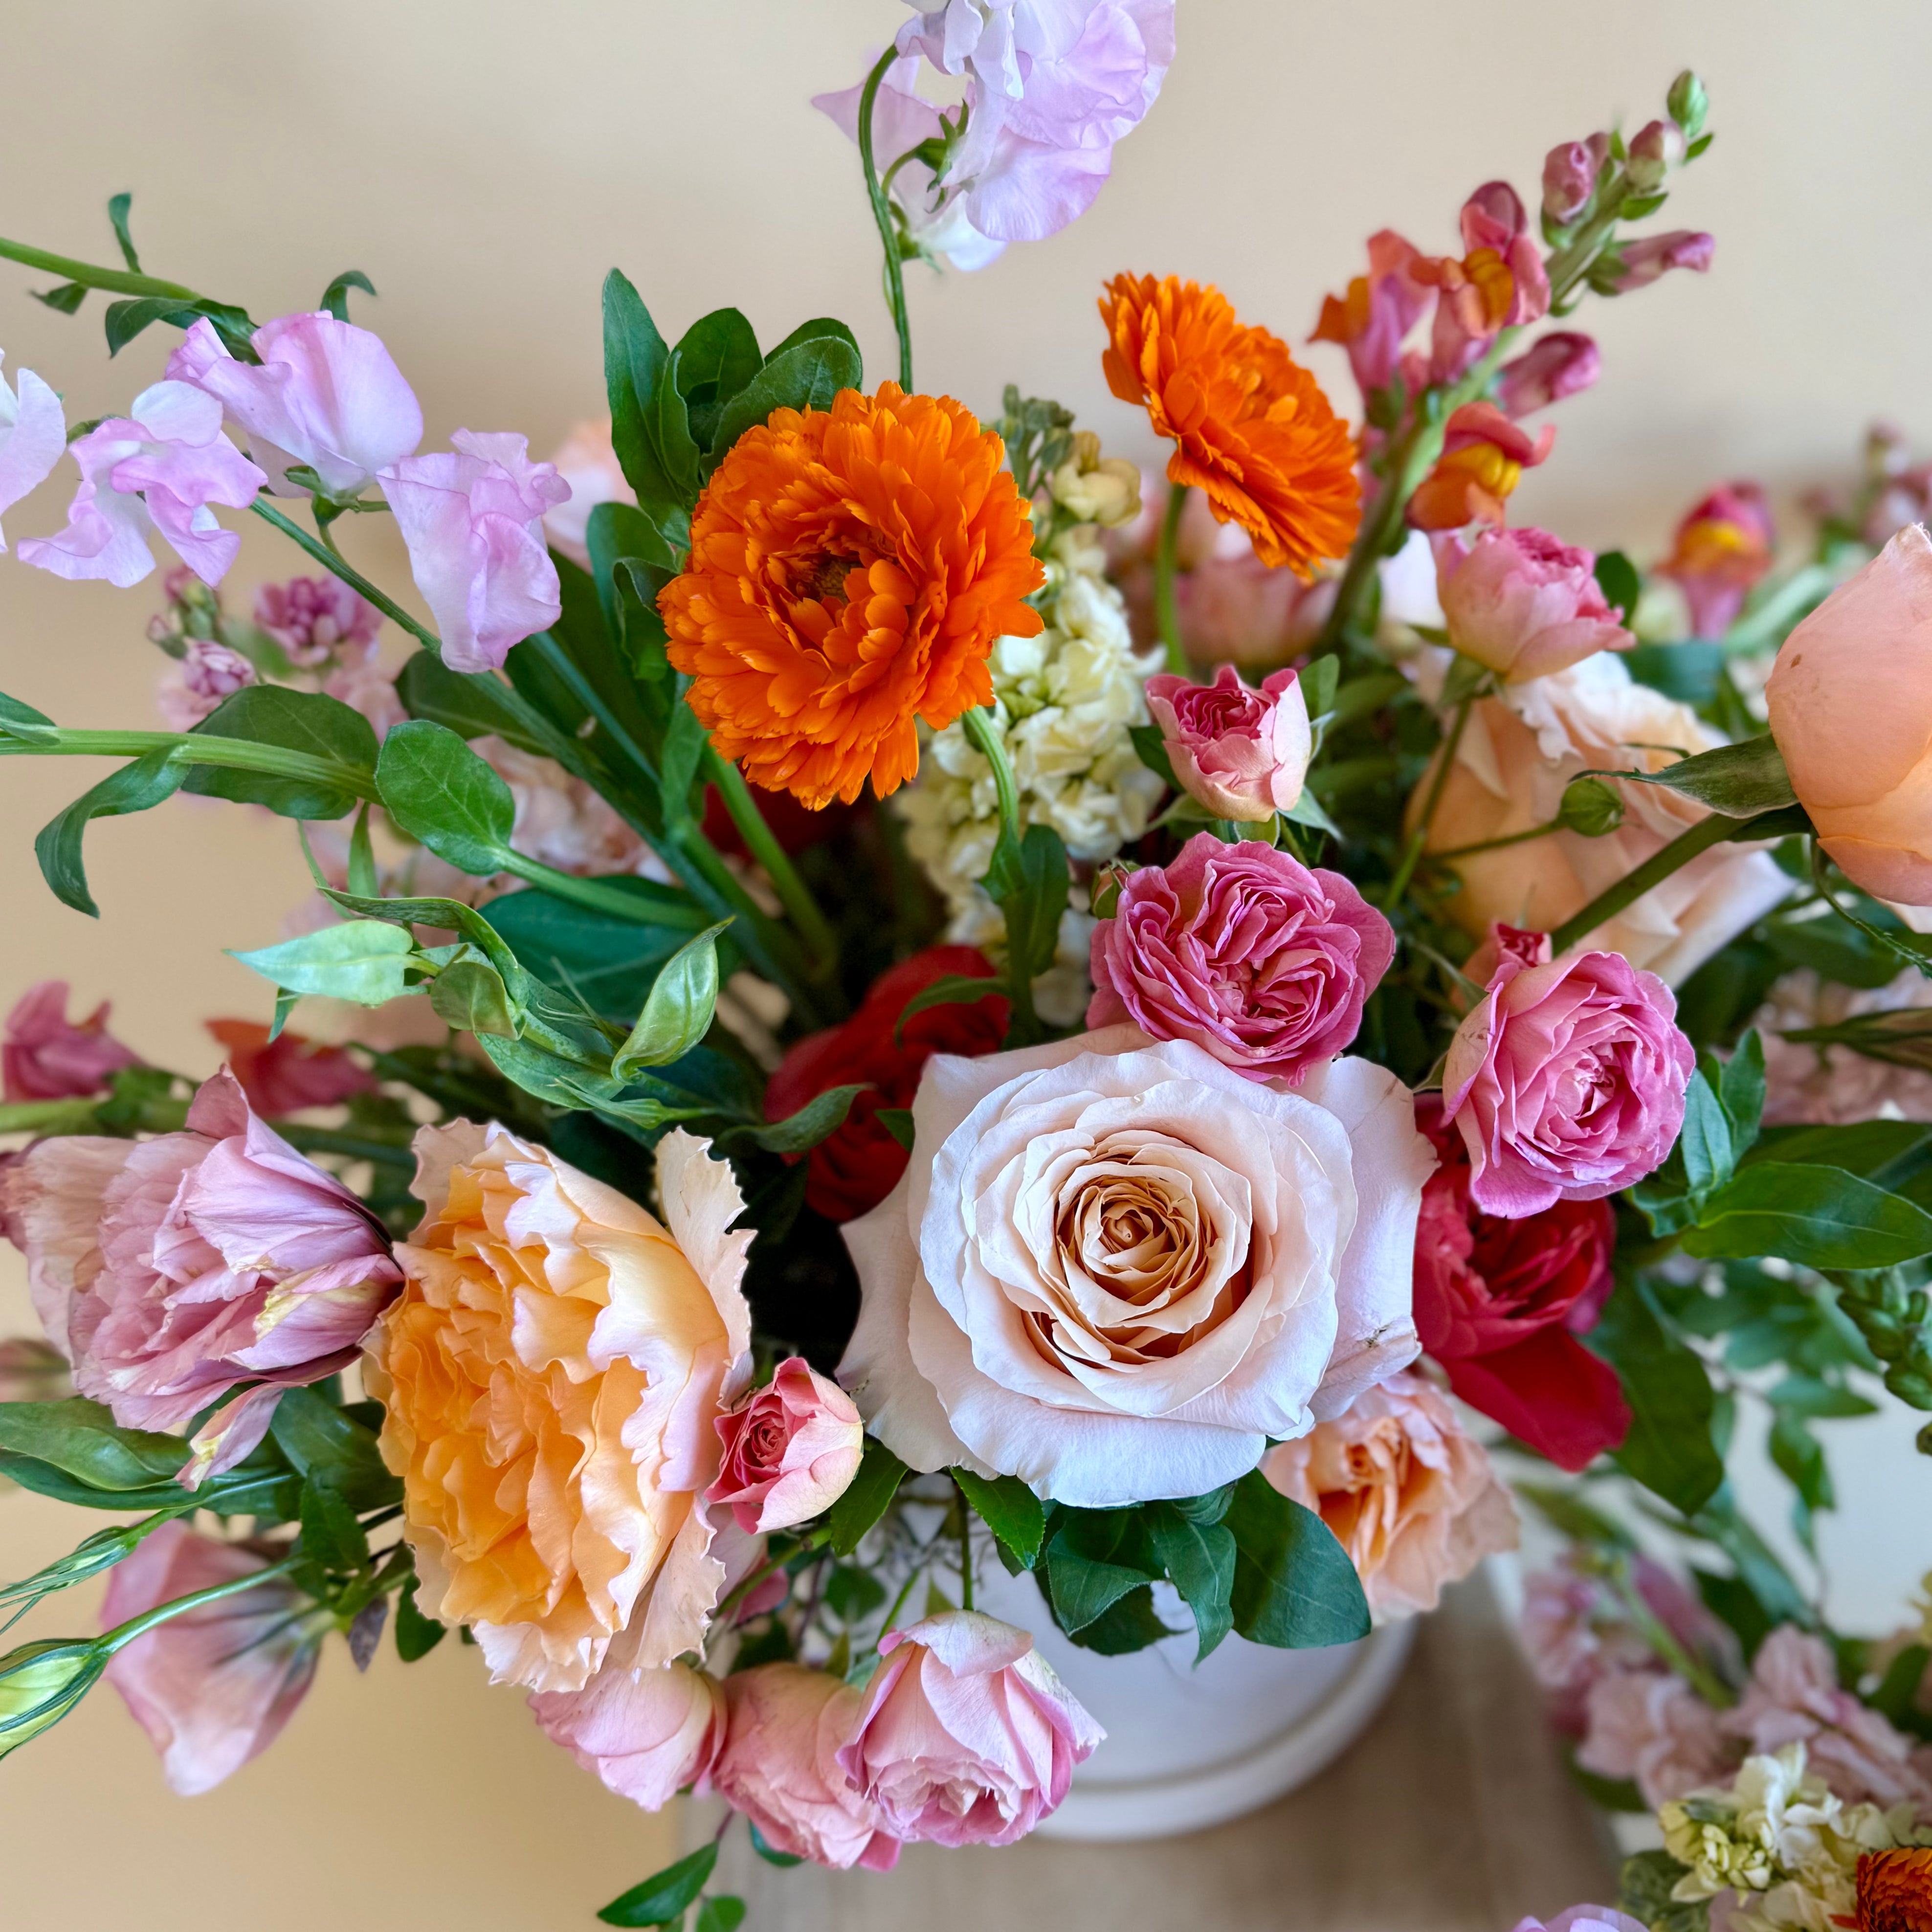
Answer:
[(923, 1008)]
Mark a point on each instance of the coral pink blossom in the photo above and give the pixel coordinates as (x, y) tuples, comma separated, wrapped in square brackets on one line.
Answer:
[(790, 1449), (316, 618), (1651, 1727), (1641, 261), (176, 1270), (213, 1686), (1499, 283), (968, 1737), (781, 1767), (1523, 604), (1722, 546), (1483, 456), (33, 438), (1371, 321), (1560, 364), (1243, 950), (289, 1072), (646, 1733), (45, 1056), (1567, 1080), (1241, 753)]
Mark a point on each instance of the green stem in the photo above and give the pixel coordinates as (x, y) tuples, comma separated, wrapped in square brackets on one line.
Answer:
[(1497, 844), (193, 748), (116, 281), (593, 894), (123, 1634), (899, 1601), (980, 726), (1655, 1633), (1167, 615), (1412, 852), (1713, 830), (49, 1118), (331, 560), (761, 841), (325, 1140), (882, 214)]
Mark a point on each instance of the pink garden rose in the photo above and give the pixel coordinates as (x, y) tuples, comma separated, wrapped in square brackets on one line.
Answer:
[(45, 1056), (1649, 1726), (1522, 604), (645, 1733), (790, 1449), (173, 1271), (473, 523), (781, 1766), (33, 438), (1560, 364), (968, 1737), (213, 1686), (1241, 753), (1567, 1080), (325, 395), (314, 619), (1246, 952)]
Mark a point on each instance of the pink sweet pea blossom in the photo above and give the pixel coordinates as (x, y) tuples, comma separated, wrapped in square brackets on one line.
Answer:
[(790, 1450), (1642, 261), (473, 522), (1563, 363), (173, 1271), (1524, 604), (45, 1056), (159, 467), (1241, 753), (325, 393), (316, 618), (213, 1686), (967, 1736), (33, 434), (647, 1733)]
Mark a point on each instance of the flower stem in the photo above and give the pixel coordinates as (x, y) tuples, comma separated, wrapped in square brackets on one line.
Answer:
[(760, 841), (1708, 832), (965, 1549), (193, 748), (123, 1634), (1412, 852), (882, 213), (331, 560), (115, 281), (1497, 844), (1166, 614), (979, 725)]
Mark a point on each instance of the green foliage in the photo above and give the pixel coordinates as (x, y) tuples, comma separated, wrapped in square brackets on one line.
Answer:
[(1011, 1510), (664, 1898), (1739, 781), (417, 1634), (1648, 1879), (677, 1011), (796, 1133), (610, 963), (1199, 1557), (1294, 1587), (472, 706), (1617, 578), (446, 797), (335, 297), (320, 727), (802, 374), (134, 787), (1670, 1449), (365, 961), (865, 1497)]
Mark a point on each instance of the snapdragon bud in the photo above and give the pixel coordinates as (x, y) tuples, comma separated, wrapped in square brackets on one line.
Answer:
[(1653, 152), (1570, 173), (39, 1683), (1688, 104)]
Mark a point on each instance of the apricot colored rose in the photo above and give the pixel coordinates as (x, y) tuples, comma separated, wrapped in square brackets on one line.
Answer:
[(1250, 426), (550, 1375), (850, 570)]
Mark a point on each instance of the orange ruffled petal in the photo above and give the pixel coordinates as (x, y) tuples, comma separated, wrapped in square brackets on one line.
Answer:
[(850, 570)]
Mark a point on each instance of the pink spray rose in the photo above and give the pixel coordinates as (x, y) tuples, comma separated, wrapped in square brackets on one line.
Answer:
[(790, 1449), (473, 522), (1567, 1080), (159, 467), (1246, 952), (214, 1686), (192, 690), (781, 1766), (33, 437), (1651, 1727), (173, 1271), (316, 618), (45, 1056), (1241, 753), (1644, 261), (325, 393), (1560, 364), (645, 1733), (1523, 604), (968, 1737)]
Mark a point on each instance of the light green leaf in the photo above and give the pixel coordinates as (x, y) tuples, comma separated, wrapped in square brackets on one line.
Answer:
[(677, 1012), (366, 961)]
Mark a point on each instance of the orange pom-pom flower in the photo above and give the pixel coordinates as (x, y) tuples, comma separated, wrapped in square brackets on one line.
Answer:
[(1250, 426), (849, 570), (1895, 1891)]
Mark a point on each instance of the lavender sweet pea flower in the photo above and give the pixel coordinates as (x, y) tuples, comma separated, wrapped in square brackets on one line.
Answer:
[(159, 467), (33, 433), (473, 522), (325, 393)]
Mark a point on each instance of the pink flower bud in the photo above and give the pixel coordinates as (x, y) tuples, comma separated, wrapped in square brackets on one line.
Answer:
[(645, 1733), (1241, 753), (315, 618), (1523, 604), (790, 1450), (1559, 364), (1653, 152), (1642, 261), (45, 1056), (1569, 177)]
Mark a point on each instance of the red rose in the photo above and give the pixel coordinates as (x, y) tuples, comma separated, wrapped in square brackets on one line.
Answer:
[(1500, 1304), (852, 1171)]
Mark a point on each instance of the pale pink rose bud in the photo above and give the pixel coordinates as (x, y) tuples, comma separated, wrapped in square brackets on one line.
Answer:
[(790, 1450), (646, 1733), (1568, 1081), (1562, 364), (1569, 177), (315, 618), (1850, 700), (213, 1686), (967, 1736), (1241, 753), (1643, 261), (1524, 604), (46, 1056), (1653, 152), (781, 1766)]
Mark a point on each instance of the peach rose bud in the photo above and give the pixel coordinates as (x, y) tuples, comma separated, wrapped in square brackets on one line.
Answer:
[(790, 1449), (1850, 699), (1241, 753), (1524, 605)]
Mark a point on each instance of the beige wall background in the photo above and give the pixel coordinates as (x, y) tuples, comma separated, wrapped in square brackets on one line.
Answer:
[(485, 162)]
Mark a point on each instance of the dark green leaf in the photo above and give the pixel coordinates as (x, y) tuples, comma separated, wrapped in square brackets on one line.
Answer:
[(1898, 1692), (67, 297), (866, 1497), (810, 332), (1669, 1449), (118, 206), (82, 1439), (1294, 1587), (781, 1859), (1008, 1509), (124, 320), (1617, 578), (1029, 884), (721, 1912), (897, 1121), (19, 720), (1742, 1090), (1734, 1603), (852, 1595), (1739, 781), (472, 706), (1150, 747), (799, 1132), (330, 1536), (439, 792), (1704, 1144), (1094, 1558), (1799, 1457), (955, 989), (717, 356), (335, 297), (416, 1634), (1821, 1216), (307, 721), (634, 356), (677, 1012), (806, 375), (1649, 1879), (1566, 1513), (609, 963), (668, 422), (684, 743), (324, 1442), (666, 1896), (1199, 1559), (134, 787), (1125, 1627)]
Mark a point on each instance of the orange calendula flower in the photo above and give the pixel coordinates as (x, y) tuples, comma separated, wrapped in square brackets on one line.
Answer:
[(1250, 426), (850, 571), (1895, 1891)]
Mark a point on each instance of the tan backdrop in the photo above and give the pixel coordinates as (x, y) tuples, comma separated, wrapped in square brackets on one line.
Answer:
[(485, 162)]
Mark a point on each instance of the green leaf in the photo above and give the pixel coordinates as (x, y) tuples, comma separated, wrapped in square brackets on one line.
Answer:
[(1008, 1509), (1705, 1144), (365, 961), (450, 915), (134, 787), (634, 356), (1294, 1587), (417, 1634), (784, 1860), (666, 1896), (611, 964), (82, 1439), (66, 297), (722, 1912), (717, 356), (1617, 578), (1094, 1558), (1799, 1457), (1150, 747), (1649, 1883), (810, 331), (1123, 1627), (668, 422), (955, 989), (118, 206), (469, 993), (1567, 1514), (325, 1443), (330, 1536), (1029, 884), (897, 1121), (1739, 781), (621, 533), (472, 706), (445, 796), (803, 375), (307, 721), (1742, 1090), (124, 320), (866, 1497), (335, 297), (1669, 1449), (1897, 1693), (677, 1012), (852, 1595), (19, 720), (1199, 1559), (1820, 1217), (799, 1132)]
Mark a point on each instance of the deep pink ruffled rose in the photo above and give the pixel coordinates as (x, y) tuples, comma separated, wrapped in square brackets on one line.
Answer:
[(173, 1271), (213, 1686), (1563, 363), (1523, 604), (646, 1733), (781, 1767), (316, 618), (45, 1056), (790, 1449), (33, 438), (1641, 261), (1241, 753), (1567, 1080), (1243, 950), (968, 1737)]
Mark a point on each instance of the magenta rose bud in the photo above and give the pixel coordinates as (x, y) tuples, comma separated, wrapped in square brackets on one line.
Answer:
[(1240, 752), (646, 1733), (790, 1450), (1523, 604), (1567, 1083), (968, 1737), (45, 1056), (1243, 950)]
